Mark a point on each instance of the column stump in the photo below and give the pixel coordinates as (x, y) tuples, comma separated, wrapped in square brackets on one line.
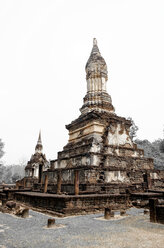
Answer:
[(107, 213), (50, 223)]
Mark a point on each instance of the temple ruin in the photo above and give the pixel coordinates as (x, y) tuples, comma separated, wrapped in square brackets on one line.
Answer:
[(36, 165), (100, 166), (100, 156)]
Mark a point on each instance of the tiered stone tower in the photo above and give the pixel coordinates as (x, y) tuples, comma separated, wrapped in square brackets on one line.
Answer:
[(100, 154), (37, 163)]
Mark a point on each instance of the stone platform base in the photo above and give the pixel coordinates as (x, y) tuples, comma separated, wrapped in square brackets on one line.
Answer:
[(70, 205), (142, 199)]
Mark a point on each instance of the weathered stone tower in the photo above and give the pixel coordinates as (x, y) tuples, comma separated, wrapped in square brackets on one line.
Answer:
[(100, 166), (100, 155), (37, 163)]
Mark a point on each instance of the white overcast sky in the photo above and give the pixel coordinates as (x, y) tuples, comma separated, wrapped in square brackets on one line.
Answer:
[(44, 46)]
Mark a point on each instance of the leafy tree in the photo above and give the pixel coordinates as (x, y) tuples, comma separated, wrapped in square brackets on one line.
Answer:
[(133, 129), (1, 148), (152, 150), (15, 177), (7, 175), (2, 171), (2, 168), (161, 146)]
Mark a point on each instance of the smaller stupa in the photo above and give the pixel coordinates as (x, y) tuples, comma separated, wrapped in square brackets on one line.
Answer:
[(37, 163)]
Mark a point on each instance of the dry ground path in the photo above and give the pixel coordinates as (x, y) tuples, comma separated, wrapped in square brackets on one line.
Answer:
[(89, 231)]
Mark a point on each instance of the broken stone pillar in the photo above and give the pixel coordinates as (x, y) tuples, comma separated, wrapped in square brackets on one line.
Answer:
[(24, 183), (51, 223), (76, 182), (32, 172), (146, 211), (160, 214), (25, 213), (11, 204), (107, 213), (149, 181), (59, 181), (4, 202), (122, 212), (112, 214), (152, 206), (45, 183)]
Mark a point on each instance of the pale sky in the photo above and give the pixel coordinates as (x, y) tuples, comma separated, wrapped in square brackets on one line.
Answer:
[(44, 46)]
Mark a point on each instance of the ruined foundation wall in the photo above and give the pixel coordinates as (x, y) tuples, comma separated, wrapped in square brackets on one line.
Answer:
[(73, 204)]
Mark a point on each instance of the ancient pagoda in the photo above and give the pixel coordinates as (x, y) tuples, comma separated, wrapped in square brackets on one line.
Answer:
[(37, 163), (100, 155)]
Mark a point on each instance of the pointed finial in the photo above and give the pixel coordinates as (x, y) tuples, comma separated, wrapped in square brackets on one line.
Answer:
[(96, 63), (95, 48), (39, 138), (39, 147), (94, 41)]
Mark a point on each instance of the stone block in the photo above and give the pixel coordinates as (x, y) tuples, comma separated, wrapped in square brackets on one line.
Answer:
[(152, 206), (4, 202), (122, 212), (146, 211), (11, 204), (22, 212), (50, 223), (160, 214), (108, 213), (25, 213), (112, 214)]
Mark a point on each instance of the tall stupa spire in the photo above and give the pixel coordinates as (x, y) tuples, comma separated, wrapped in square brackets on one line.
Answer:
[(94, 41), (96, 65), (97, 97), (39, 146), (95, 48), (39, 138)]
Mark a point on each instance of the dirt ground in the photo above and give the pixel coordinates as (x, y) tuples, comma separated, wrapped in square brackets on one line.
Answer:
[(87, 231)]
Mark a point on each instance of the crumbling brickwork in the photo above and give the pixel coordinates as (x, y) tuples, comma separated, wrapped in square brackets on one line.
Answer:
[(99, 145), (100, 165)]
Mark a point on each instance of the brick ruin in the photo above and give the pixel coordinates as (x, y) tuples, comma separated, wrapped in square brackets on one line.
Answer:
[(36, 165), (156, 207), (100, 156), (100, 165)]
